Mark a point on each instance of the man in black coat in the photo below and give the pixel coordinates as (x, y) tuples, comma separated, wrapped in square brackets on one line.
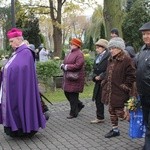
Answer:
[(99, 68), (143, 80)]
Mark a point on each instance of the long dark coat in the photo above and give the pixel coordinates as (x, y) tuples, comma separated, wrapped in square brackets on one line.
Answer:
[(99, 70), (120, 76), (143, 71), (75, 62)]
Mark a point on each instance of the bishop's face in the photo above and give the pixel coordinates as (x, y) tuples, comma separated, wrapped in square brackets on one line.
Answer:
[(14, 42)]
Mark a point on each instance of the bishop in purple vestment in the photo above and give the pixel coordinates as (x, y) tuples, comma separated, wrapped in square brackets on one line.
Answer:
[(20, 100)]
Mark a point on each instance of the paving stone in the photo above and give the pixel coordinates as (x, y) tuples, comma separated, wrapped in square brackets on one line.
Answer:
[(74, 134)]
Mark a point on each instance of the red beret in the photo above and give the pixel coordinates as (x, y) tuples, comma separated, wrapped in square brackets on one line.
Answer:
[(76, 41), (14, 32)]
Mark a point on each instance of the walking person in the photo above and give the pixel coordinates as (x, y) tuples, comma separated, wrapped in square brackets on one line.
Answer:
[(74, 62), (99, 69), (118, 82), (143, 80), (20, 100)]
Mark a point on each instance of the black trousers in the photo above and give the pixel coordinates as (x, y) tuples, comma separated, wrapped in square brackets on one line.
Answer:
[(146, 115), (75, 103), (99, 106), (97, 91)]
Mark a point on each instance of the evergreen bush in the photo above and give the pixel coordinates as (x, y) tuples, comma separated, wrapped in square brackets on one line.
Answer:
[(47, 70)]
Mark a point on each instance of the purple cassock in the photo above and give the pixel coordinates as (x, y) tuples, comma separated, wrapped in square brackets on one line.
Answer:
[(20, 100)]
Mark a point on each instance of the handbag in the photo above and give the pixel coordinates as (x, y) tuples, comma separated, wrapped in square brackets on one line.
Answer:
[(136, 126), (72, 76)]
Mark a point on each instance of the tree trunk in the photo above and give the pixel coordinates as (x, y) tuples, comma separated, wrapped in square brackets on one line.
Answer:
[(113, 16), (57, 37), (55, 13)]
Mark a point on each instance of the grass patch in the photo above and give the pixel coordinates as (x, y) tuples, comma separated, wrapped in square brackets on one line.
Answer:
[(58, 95)]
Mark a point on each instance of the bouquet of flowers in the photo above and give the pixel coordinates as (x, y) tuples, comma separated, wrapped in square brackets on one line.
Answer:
[(133, 104)]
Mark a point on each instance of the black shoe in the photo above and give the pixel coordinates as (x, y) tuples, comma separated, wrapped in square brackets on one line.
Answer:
[(80, 108), (71, 117), (112, 133)]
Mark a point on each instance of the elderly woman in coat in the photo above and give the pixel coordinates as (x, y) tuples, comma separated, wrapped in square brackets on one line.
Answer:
[(116, 86), (73, 64), (99, 69)]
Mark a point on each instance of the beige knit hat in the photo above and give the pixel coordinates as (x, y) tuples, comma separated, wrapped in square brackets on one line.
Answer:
[(102, 42)]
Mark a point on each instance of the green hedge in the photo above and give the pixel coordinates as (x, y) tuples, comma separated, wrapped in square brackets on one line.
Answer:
[(51, 68), (46, 70)]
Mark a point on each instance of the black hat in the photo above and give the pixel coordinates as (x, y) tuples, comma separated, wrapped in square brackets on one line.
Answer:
[(115, 30), (145, 27)]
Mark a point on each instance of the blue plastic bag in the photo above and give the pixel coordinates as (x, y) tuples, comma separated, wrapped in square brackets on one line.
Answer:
[(136, 126)]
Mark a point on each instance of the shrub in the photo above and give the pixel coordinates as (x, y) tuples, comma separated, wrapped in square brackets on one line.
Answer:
[(85, 51), (4, 53), (88, 64), (46, 70)]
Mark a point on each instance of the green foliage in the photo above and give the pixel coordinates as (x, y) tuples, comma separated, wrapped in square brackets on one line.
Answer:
[(102, 34), (63, 54), (89, 44), (5, 20), (93, 32), (46, 70), (24, 20), (88, 65), (29, 23), (135, 18), (129, 4), (4, 53), (113, 15), (88, 62), (21, 14), (85, 51), (31, 30)]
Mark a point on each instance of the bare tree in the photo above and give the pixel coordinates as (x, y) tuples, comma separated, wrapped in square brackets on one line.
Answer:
[(57, 9)]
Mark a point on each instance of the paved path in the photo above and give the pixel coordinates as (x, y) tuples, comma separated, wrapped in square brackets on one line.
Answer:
[(74, 134)]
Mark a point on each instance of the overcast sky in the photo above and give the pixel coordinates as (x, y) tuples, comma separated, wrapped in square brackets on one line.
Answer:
[(89, 11)]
